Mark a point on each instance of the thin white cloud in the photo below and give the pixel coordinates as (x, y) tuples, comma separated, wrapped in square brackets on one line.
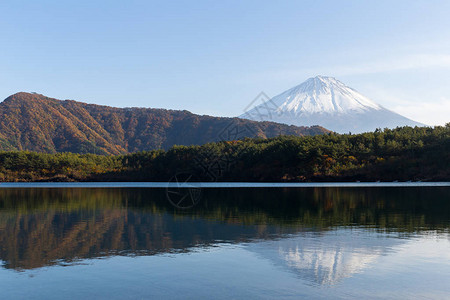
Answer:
[(408, 62), (410, 105), (431, 113)]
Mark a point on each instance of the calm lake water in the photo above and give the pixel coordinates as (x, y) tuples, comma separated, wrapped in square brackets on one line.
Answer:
[(290, 242)]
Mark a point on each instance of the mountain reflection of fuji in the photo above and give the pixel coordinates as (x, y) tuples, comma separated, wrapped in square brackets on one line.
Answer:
[(326, 258)]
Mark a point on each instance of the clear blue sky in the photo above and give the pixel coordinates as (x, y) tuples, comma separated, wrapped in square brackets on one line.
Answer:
[(214, 57)]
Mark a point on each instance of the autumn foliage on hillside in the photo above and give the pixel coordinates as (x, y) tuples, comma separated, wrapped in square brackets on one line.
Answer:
[(33, 122)]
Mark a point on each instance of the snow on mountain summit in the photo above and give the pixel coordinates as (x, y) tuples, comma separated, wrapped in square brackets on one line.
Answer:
[(327, 102), (323, 94)]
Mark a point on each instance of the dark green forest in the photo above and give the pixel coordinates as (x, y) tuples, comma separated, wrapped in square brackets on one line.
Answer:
[(404, 153)]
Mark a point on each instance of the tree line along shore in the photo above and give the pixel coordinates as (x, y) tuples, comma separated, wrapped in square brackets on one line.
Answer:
[(403, 154)]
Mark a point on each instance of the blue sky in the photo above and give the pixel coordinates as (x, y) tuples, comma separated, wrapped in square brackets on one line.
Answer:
[(214, 57)]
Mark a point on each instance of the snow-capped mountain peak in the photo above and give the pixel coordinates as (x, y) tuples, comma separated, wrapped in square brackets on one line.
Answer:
[(323, 94), (327, 102)]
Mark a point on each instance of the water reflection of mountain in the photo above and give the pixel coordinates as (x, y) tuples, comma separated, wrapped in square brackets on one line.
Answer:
[(40, 227), (327, 257)]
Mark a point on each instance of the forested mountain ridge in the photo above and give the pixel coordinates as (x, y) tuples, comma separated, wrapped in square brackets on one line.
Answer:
[(34, 122)]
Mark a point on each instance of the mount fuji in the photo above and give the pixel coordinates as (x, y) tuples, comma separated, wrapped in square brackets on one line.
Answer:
[(327, 102)]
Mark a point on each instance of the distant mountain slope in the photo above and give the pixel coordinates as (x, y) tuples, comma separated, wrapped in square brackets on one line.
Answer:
[(37, 123), (328, 102)]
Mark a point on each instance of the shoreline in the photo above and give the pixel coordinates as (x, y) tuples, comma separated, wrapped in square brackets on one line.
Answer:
[(218, 184)]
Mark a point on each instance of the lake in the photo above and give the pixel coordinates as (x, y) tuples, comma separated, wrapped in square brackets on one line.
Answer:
[(222, 241)]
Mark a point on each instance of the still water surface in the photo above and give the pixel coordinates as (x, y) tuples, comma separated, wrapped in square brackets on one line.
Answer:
[(278, 242)]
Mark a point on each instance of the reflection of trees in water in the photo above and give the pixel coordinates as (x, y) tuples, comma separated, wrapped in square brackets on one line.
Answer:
[(38, 227)]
